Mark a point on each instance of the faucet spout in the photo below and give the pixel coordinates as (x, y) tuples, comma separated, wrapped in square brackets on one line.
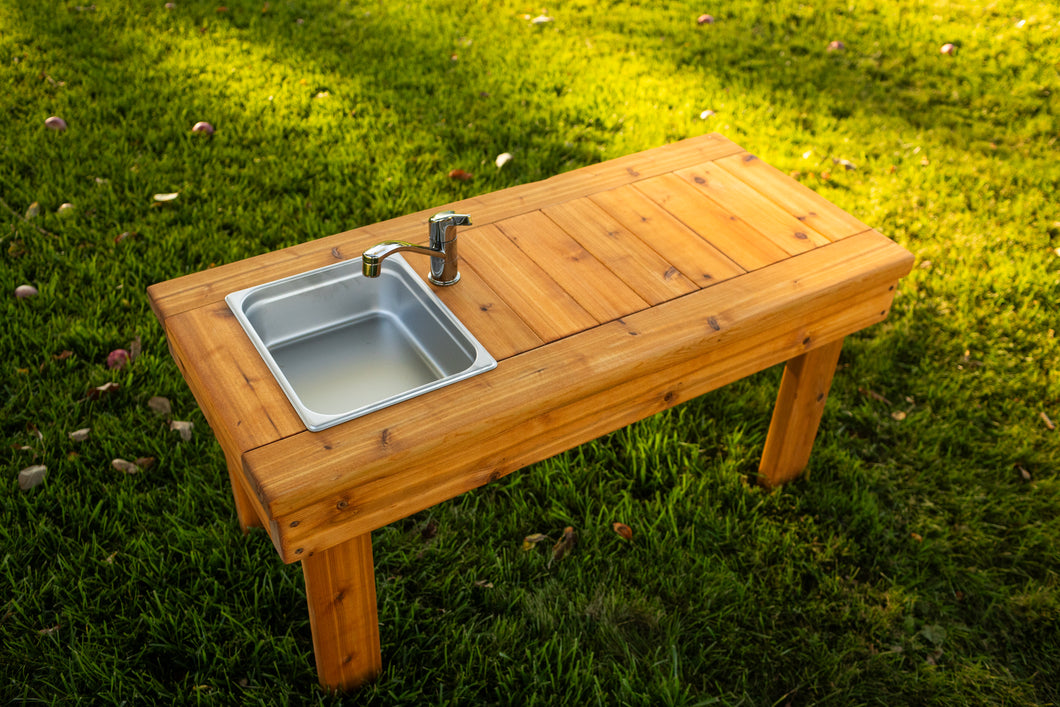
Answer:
[(442, 249), (372, 259)]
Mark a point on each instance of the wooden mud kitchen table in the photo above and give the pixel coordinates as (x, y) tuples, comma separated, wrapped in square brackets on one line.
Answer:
[(606, 294)]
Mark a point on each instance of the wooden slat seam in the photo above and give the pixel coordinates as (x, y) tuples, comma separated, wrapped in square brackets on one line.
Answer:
[(834, 211), (686, 174), (485, 283), (772, 199), (706, 237), (632, 255), (629, 228), (551, 269), (540, 275)]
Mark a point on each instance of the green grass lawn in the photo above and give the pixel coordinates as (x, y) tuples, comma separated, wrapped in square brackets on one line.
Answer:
[(919, 562)]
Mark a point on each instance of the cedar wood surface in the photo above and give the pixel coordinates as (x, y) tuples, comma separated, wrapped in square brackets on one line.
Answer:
[(606, 294)]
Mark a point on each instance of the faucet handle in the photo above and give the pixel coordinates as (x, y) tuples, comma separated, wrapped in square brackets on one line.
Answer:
[(457, 219), (440, 224)]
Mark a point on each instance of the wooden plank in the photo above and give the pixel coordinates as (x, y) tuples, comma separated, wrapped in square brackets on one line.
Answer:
[(697, 259), (246, 508), (523, 285), (723, 229), (797, 199), (343, 616), (486, 315), (396, 489), (235, 389), (208, 286), (800, 404), (599, 291), (773, 222), (647, 273), (374, 469)]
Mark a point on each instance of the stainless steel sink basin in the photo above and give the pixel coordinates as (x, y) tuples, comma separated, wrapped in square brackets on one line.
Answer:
[(342, 345)]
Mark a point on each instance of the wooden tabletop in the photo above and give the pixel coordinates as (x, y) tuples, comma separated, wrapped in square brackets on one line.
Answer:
[(606, 294)]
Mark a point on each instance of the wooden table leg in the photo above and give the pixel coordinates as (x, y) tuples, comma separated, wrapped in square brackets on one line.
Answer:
[(340, 589), (248, 518), (800, 403)]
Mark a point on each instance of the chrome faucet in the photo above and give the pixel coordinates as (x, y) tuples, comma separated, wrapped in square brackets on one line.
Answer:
[(441, 248)]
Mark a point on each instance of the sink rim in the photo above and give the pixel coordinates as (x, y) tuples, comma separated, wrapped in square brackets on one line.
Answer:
[(316, 421)]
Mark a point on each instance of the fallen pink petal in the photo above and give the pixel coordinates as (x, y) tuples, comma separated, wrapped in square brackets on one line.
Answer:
[(117, 358)]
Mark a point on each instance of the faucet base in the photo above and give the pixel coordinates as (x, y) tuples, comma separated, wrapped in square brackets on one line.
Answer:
[(443, 283)]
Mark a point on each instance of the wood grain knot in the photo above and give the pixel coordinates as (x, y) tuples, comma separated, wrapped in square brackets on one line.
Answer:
[(713, 323), (699, 180), (749, 158), (342, 505)]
